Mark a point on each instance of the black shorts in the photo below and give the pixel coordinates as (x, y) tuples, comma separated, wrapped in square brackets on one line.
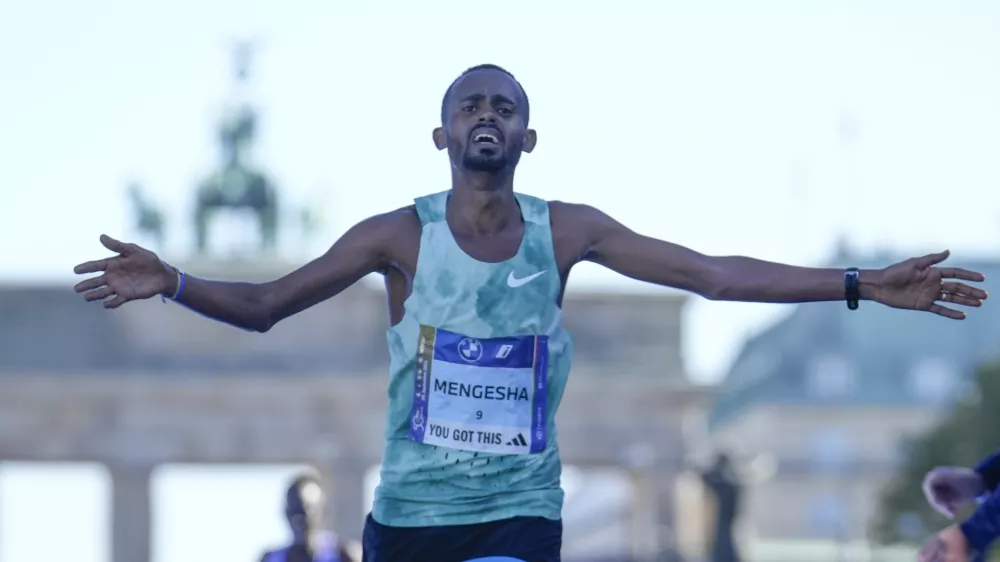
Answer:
[(531, 539)]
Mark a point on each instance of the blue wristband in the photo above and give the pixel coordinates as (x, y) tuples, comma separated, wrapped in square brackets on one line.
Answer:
[(180, 285)]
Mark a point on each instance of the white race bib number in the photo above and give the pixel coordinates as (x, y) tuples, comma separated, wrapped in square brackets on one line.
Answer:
[(483, 395)]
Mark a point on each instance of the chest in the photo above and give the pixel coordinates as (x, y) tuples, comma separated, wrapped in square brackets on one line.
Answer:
[(521, 268), (565, 240), (497, 248)]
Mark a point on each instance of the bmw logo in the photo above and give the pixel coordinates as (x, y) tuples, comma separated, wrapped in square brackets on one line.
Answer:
[(470, 349)]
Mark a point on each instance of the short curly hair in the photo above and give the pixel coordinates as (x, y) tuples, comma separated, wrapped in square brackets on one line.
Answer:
[(447, 93)]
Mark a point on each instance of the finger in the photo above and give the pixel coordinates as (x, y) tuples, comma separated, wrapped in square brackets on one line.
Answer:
[(946, 312), (931, 259), (959, 299), (99, 294), (948, 509), (92, 266), (89, 284), (964, 274), (115, 302), (963, 289), (112, 244)]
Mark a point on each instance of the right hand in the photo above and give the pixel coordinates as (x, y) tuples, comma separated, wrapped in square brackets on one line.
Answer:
[(949, 488), (135, 273)]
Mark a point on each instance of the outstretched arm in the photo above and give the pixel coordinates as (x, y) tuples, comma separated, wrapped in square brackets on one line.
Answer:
[(137, 273), (913, 284), (259, 306)]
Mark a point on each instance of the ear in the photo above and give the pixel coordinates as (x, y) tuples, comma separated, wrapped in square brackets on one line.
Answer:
[(530, 140), (440, 139)]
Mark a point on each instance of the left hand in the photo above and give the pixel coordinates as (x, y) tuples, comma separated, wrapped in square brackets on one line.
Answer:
[(947, 546), (916, 284)]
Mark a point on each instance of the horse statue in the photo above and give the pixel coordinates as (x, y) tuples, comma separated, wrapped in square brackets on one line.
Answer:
[(237, 184)]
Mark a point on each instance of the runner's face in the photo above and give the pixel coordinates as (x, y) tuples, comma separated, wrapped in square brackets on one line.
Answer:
[(485, 122)]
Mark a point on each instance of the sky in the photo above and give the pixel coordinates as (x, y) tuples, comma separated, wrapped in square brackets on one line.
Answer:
[(770, 129)]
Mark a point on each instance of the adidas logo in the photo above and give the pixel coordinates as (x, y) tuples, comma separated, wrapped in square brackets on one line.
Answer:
[(518, 441)]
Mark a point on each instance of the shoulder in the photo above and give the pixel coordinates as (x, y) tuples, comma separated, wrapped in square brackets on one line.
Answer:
[(394, 222), (398, 234), (386, 228), (576, 230), (561, 210), (585, 220)]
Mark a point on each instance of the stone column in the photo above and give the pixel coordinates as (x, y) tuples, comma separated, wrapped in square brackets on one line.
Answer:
[(667, 509), (644, 525), (344, 481), (641, 459), (131, 528)]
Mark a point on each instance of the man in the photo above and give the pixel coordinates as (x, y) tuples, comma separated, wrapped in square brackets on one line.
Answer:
[(478, 356), (726, 488), (949, 488), (305, 504)]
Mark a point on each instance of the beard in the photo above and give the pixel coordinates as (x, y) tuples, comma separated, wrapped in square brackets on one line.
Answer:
[(484, 159)]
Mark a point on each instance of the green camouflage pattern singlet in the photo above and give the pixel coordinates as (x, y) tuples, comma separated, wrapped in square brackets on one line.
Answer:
[(478, 366)]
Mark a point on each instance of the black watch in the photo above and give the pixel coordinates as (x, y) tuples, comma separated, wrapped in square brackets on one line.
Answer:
[(852, 287)]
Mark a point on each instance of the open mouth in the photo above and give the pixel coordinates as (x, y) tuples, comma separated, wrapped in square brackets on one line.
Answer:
[(486, 135), (485, 138)]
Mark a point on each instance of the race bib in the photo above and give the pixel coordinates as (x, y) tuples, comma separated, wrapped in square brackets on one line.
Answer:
[(483, 395)]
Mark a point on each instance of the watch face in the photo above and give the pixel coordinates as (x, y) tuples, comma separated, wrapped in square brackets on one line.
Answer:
[(851, 293)]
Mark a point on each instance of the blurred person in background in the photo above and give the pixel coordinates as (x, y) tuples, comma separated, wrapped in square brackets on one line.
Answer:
[(724, 482), (949, 489), (479, 357), (305, 506)]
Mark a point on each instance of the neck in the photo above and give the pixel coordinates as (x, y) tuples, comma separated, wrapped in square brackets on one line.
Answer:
[(481, 202)]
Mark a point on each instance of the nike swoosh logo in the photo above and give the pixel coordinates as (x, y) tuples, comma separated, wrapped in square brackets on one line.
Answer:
[(515, 282)]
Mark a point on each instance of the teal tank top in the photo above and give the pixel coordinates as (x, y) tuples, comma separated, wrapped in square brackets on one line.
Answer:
[(478, 365)]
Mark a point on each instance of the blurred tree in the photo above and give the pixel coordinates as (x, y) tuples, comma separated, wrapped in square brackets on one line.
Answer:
[(967, 433), (149, 218)]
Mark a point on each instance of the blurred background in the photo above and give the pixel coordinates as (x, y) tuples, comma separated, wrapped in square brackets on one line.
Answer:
[(239, 139)]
